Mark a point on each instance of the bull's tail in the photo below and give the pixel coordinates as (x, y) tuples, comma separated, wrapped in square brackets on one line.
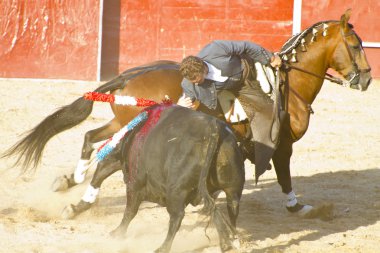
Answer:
[(29, 149), (209, 203)]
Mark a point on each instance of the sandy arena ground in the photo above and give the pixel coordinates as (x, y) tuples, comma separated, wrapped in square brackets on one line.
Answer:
[(336, 162)]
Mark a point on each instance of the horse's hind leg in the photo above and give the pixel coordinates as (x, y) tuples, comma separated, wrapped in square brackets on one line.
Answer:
[(103, 170), (92, 140)]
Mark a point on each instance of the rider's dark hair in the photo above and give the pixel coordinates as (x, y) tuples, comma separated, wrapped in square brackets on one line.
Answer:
[(192, 67)]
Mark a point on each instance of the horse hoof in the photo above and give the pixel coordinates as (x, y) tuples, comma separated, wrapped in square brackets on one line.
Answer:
[(68, 212), (301, 210), (60, 184), (305, 211), (63, 183)]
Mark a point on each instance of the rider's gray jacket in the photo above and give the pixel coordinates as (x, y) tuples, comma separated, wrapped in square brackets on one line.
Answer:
[(226, 56)]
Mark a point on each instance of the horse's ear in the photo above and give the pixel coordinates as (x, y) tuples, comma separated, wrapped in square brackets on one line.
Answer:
[(344, 19)]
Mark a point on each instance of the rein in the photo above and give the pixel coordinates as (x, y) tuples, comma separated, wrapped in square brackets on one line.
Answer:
[(307, 104), (327, 76)]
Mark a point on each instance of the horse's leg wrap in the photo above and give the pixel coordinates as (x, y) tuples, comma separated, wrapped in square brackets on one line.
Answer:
[(90, 194), (84, 204), (64, 182), (81, 170), (292, 199)]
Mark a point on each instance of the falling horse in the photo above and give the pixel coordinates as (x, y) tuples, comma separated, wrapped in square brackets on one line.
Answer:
[(306, 59)]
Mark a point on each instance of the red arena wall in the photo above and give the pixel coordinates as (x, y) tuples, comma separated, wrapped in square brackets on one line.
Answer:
[(61, 39), (171, 29), (49, 39)]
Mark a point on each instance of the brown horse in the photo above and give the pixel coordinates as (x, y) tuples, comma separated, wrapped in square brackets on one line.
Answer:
[(306, 59)]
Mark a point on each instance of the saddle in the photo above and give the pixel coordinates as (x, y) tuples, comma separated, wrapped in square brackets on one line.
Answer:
[(231, 106), (262, 136)]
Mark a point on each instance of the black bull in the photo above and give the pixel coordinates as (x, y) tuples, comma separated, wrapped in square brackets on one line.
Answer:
[(182, 157)]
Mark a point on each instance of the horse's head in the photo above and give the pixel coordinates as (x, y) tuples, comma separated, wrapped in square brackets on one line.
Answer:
[(349, 58)]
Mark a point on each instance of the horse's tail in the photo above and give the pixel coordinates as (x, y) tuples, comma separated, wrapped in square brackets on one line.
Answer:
[(29, 149), (209, 203)]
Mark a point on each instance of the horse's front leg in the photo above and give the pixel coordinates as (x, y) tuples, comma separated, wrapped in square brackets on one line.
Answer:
[(93, 139), (281, 162)]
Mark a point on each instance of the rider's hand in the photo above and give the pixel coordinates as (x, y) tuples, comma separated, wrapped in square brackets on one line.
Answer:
[(275, 61), (185, 102)]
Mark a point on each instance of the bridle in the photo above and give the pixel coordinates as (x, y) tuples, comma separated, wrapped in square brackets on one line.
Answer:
[(352, 78), (355, 74)]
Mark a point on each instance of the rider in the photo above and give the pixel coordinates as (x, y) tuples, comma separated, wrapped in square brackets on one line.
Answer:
[(229, 65)]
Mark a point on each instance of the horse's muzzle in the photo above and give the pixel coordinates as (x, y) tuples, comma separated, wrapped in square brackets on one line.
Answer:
[(362, 82)]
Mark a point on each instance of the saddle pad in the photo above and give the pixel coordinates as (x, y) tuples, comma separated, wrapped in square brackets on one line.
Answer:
[(232, 108)]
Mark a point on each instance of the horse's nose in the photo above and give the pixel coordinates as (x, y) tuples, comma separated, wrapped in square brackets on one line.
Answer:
[(368, 83), (365, 87)]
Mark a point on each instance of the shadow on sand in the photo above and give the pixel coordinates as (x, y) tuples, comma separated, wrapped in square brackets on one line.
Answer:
[(354, 195)]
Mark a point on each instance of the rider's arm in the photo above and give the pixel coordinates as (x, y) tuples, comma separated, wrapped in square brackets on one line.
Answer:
[(188, 97), (246, 48)]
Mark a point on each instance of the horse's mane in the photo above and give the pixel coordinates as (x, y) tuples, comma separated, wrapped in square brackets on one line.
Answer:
[(295, 40)]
